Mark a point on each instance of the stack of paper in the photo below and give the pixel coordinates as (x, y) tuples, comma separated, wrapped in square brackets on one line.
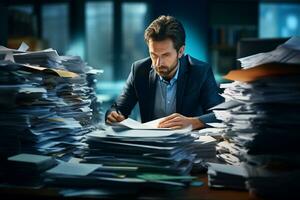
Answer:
[(262, 119), (110, 178), (45, 58), (285, 53), (229, 153), (215, 132), (85, 87), (151, 151), (73, 178), (30, 163), (226, 176), (36, 171), (86, 175), (26, 169), (275, 176), (205, 147), (46, 107)]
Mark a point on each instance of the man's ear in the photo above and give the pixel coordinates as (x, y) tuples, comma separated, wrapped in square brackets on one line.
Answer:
[(181, 51)]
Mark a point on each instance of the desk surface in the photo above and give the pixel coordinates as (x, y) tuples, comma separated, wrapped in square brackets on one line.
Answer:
[(204, 192), (191, 193)]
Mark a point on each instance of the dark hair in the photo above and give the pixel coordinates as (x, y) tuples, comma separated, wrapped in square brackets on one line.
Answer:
[(165, 27)]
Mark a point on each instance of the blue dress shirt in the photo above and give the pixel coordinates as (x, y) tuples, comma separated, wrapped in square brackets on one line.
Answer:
[(165, 96)]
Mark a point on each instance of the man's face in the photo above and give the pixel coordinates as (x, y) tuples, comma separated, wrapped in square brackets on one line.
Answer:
[(164, 57)]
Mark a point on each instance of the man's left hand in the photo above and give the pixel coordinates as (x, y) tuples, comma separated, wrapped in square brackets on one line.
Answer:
[(178, 121)]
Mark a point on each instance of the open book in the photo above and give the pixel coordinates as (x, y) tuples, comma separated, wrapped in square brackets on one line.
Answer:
[(133, 124)]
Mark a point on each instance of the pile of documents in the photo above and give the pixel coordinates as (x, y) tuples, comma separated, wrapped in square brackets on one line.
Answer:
[(130, 159), (205, 147), (111, 178), (74, 178), (46, 107), (276, 176), (262, 119), (151, 151), (229, 152), (229, 176), (26, 169), (85, 87)]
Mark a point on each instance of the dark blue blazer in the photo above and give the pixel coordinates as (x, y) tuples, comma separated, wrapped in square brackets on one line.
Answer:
[(196, 92)]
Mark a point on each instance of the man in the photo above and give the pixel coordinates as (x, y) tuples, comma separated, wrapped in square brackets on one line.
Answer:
[(168, 84)]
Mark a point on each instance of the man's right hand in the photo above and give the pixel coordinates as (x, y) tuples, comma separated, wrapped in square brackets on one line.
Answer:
[(114, 116)]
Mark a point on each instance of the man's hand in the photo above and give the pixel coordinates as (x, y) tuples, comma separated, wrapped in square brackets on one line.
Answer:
[(178, 121), (114, 116)]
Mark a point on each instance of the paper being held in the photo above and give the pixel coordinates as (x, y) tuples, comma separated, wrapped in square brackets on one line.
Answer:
[(133, 124)]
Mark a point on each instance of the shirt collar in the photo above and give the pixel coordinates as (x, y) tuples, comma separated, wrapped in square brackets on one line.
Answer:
[(172, 81)]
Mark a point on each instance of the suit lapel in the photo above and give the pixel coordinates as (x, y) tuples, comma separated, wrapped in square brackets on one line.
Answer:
[(181, 82), (151, 95)]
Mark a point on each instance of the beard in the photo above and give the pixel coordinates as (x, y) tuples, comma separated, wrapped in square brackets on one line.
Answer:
[(165, 71)]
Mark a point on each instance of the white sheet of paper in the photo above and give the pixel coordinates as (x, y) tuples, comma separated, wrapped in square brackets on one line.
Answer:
[(23, 47), (217, 125), (9, 57), (153, 123), (133, 124), (206, 139)]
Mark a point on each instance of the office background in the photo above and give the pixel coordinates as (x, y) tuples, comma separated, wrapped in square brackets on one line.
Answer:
[(108, 34)]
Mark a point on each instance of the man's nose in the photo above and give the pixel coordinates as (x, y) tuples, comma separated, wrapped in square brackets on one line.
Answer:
[(159, 61)]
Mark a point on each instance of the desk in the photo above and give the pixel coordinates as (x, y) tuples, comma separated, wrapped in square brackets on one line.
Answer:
[(204, 192), (190, 193)]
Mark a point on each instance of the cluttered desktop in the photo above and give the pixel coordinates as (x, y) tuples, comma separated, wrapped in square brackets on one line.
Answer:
[(54, 146)]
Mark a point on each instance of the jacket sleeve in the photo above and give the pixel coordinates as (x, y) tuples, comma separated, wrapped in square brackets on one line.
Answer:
[(128, 98)]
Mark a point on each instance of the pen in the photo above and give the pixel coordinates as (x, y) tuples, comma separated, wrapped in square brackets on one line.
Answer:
[(117, 109), (119, 112)]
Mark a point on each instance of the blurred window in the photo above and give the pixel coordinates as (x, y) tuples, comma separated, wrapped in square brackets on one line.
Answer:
[(99, 36), (279, 20), (55, 26), (133, 26)]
